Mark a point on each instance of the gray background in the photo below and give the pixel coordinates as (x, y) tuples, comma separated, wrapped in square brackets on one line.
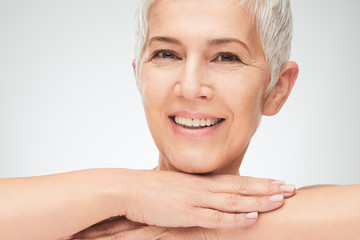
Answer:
[(68, 98)]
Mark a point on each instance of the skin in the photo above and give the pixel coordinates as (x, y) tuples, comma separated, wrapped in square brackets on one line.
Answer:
[(199, 79), (189, 76), (53, 206), (314, 213), (223, 73)]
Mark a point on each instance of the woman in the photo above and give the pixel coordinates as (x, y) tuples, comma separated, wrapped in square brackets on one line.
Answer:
[(203, 100), (195, 64)]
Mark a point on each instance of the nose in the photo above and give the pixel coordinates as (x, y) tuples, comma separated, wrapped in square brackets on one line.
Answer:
[(193, 82)]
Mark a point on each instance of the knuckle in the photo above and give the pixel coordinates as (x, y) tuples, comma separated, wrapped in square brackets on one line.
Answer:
[(243, 186), (268, 181), (259, 202), (217, 217), (232, 201), (269, 188), (120, 236), (238, 219)]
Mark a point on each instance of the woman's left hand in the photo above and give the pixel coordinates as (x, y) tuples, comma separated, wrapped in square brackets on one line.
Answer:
[(122, 228)]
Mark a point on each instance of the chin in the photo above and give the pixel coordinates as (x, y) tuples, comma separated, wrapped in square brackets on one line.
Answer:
[(196, 163)]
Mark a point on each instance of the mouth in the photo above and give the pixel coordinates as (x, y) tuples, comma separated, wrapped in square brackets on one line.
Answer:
[(196, 123)]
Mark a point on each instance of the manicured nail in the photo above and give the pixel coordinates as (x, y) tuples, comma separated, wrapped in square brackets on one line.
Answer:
[(287, 188), (252, 215), (277, 182), (276, 198)]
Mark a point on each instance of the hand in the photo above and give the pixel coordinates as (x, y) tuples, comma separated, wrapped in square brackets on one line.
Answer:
[(172, 199), (150, 197), (121, 228)]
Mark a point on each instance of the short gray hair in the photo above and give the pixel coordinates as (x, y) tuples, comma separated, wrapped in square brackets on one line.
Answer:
[(274, 27)]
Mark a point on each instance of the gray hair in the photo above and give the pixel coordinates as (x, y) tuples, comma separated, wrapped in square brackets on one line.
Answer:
[(274, 28)]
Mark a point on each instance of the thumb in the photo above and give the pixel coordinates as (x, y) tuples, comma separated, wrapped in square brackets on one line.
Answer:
[(107, 228)]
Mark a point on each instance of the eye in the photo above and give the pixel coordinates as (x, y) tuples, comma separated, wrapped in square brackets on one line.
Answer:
[(227, 57), (164, 54)]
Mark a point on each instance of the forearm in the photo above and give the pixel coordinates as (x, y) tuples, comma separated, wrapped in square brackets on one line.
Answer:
[(54, 206), (331, 212)]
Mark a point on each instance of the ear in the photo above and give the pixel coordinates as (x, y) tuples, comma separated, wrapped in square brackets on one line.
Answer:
[(282, 89)]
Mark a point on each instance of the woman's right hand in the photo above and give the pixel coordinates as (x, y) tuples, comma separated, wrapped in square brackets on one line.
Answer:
[(173, 199)]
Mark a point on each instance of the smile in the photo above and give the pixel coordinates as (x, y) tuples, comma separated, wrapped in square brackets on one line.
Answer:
[(196, 123)]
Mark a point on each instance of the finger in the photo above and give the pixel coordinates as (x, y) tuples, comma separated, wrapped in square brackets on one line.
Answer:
[(247, 186), (233, 203), (208, 218), (191, 233), (289, 193), (107, 228), (143, 233)]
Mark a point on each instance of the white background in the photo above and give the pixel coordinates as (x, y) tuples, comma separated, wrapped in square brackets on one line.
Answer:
[(68, 98)]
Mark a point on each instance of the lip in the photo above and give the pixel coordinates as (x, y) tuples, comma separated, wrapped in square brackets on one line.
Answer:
[(194, 133)]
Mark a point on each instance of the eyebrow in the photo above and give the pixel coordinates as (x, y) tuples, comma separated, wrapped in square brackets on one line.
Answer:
[(165, 40), (221, 41), (212, 42)]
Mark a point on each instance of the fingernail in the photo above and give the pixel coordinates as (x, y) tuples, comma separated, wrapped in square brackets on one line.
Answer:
[(287, 188), (277, 182), (252, 215), (276, 198)]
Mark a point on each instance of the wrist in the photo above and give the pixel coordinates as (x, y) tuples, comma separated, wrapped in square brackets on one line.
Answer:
[(106, 191), (101, 192)]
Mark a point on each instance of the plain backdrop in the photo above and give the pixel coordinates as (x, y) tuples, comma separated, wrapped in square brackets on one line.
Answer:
[(68, 98)]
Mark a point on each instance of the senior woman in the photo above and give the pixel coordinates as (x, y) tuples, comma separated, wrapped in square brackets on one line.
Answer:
[(207, 70)]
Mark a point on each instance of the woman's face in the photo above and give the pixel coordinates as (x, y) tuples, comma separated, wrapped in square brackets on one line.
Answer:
[(202, 79)]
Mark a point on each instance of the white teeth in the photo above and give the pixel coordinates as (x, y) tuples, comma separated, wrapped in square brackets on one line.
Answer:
[(208, 122), (177, 119), (189, 122), (196, 122)]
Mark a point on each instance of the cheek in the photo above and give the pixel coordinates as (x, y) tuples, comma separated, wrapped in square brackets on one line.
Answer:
[(244, 92), (151, 89), (154, 90), (244, 100), (155, 84)]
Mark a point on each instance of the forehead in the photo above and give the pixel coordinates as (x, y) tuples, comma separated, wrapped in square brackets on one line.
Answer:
[(202, 19)]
